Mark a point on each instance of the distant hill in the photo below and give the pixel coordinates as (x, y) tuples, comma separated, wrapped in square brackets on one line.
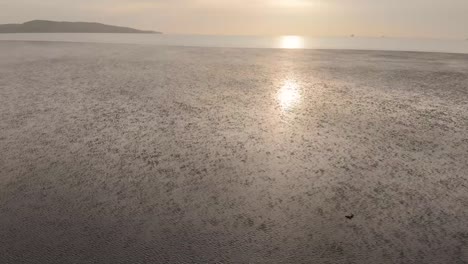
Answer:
[(44, 26)]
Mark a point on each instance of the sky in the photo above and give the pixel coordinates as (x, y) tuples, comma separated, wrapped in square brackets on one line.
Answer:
[(393, 18)]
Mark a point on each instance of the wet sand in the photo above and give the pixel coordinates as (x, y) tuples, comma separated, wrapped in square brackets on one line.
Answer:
[(142, 154)]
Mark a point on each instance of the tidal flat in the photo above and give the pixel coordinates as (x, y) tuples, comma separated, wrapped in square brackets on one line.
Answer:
[(117, 153)]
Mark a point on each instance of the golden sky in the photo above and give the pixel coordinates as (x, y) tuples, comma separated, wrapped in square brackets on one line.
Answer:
[(398, 18)]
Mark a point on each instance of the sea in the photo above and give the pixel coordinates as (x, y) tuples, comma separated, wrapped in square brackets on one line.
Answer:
[(275, 42)]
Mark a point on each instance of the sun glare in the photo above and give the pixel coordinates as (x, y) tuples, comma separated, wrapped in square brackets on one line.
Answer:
[(289, 95), (292, 42), (294, 3)]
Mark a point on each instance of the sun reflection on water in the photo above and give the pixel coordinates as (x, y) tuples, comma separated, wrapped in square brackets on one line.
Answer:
[(292, 42), (289, 95)]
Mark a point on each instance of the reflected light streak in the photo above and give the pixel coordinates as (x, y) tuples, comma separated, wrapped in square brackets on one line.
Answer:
[(289, 95), (292, 42)]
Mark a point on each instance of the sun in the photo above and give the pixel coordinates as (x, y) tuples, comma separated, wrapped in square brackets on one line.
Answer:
[(294, 3)]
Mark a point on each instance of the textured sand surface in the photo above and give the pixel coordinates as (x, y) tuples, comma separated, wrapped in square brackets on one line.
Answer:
[(139, 154)]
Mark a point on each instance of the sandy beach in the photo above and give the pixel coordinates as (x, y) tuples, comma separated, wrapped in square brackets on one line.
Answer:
[(143, 154)]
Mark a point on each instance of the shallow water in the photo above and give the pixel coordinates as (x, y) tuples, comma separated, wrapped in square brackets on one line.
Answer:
[(144, 154), (288, 42)]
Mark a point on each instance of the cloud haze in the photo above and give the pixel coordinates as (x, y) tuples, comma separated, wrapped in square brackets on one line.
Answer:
[(414, 18)]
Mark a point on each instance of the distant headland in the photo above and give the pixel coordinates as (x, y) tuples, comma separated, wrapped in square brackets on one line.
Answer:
[(45, 26)]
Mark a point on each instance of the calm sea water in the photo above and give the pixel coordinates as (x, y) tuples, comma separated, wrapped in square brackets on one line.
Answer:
[(289, 42)]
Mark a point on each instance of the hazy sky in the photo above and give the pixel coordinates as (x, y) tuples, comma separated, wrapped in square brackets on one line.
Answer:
[(404, 18)]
